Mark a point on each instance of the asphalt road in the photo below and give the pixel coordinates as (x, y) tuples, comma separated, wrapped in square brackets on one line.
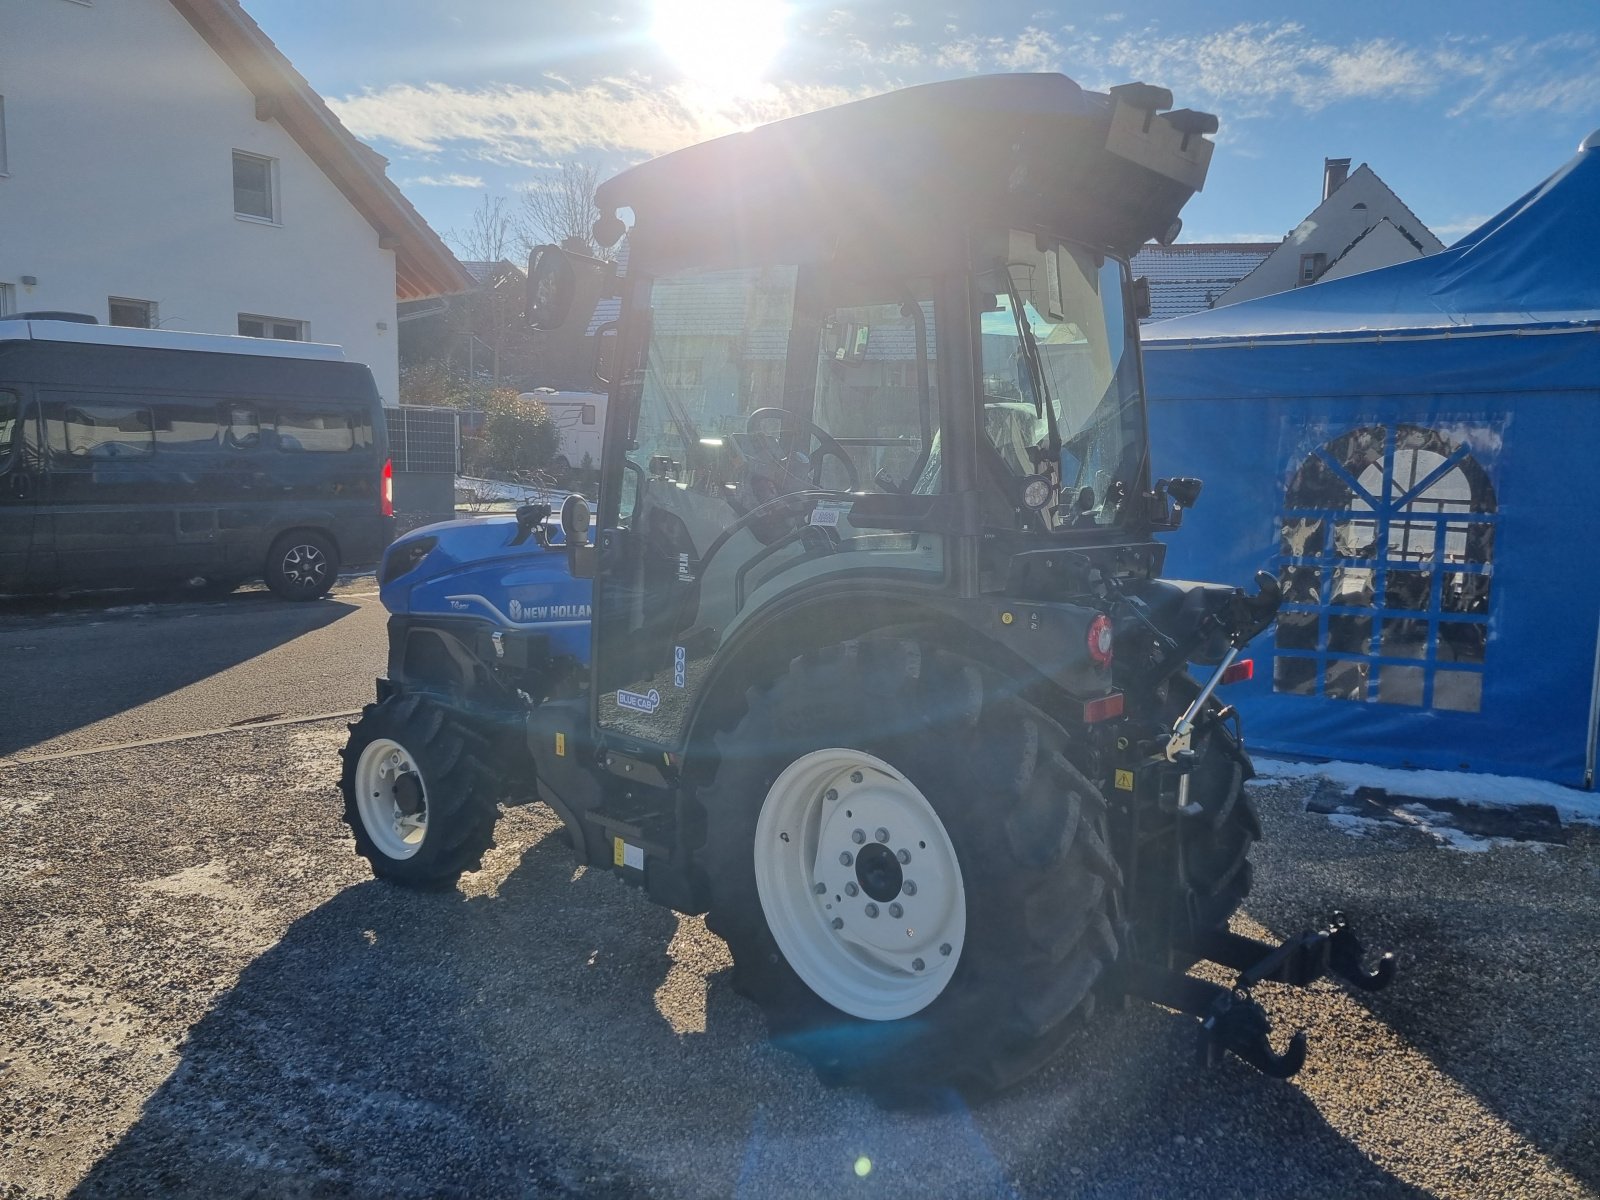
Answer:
[(105, 671)]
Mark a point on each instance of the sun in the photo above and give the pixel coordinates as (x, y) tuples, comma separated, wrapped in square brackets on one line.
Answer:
[(722, 46)]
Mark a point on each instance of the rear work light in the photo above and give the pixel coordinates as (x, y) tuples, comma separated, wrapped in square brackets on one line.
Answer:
[(1238, 672), (386, 497)]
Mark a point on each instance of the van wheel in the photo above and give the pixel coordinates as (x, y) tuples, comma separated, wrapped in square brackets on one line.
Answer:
[(302, 565)]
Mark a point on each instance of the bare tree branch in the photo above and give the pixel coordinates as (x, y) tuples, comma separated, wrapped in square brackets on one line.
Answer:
[(562, 212)]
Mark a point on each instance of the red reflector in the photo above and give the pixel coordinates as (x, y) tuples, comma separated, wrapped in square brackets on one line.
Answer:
[(1239, 671), (1102, 709), (1100, 640), (386, 500)]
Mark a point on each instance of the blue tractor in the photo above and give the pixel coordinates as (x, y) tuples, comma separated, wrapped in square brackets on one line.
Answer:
[(884, 677), (487, 620)]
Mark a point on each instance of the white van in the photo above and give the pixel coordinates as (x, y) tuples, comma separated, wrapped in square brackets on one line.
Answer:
[(581, 418)]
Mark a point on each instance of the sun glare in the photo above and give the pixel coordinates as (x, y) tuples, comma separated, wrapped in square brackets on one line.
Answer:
[(723, 46)]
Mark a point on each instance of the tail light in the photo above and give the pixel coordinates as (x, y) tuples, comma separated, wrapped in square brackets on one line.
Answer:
[(386, 499), (1239, 671), (1100, 640)]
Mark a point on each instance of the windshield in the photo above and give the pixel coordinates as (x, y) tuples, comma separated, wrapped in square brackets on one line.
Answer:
[(1060, 387)]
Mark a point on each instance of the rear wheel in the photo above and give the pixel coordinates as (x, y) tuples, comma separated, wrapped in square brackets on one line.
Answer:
[(911, 875), (419, 801), (302, 565)]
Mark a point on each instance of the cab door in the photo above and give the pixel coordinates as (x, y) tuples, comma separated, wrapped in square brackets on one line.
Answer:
[(20, 480)]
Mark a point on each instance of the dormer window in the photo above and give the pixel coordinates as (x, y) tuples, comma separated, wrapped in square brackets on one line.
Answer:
[(1311, 267)]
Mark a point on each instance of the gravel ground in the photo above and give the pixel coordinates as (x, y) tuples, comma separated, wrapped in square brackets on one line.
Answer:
[(203, 993)]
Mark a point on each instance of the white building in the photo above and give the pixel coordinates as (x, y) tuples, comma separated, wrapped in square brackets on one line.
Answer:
[(1359, 226), (162, 164)]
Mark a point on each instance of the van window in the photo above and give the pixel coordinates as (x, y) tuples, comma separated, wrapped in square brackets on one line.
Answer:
[(10, 413), (184, 427), (314, 432), (108, 431), (588, 414)]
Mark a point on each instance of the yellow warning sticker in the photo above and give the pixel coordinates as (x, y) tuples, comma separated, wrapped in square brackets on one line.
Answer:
[(1125, 781), (561, 745), (616, 852)]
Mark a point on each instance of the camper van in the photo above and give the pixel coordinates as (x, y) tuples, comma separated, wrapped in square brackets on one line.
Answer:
[(139, 457), (580, 416)]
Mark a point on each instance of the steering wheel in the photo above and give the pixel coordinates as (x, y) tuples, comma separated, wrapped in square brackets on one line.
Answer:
[(826, 445)]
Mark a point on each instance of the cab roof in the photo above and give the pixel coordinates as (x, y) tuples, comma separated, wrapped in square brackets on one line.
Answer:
[(1036, 150)]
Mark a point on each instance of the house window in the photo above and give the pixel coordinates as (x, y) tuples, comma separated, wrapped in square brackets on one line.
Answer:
[(8, 299), (281, 328), (1311, 266), (1387, 568), (133, 314), (253, 192), (4, 170)]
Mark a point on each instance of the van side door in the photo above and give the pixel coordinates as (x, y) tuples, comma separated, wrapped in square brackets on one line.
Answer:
[(20, 482)]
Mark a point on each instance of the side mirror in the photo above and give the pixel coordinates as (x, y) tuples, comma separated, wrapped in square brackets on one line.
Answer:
[(575, 529), (1184, 490), (552, 283)]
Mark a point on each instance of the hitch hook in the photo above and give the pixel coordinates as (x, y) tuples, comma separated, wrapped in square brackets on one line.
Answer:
[(1344, 958), (1238, 1025)]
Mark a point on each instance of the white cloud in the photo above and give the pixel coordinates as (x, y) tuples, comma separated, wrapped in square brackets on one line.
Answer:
[(526, 126), (1450, 231), (455, 181), (1253, 69)]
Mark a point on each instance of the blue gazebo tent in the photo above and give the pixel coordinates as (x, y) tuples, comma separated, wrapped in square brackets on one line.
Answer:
[(1413, 452)]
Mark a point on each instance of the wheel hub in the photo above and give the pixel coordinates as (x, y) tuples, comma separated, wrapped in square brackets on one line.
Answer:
[(878, 872), (391, 798)]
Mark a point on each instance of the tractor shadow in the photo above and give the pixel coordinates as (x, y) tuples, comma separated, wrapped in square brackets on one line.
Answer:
[(561, 1035)]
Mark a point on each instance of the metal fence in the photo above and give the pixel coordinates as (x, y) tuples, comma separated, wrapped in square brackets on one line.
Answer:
[(424, 440)]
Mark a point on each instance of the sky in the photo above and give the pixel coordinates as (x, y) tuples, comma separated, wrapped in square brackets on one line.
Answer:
[(1459, 107)]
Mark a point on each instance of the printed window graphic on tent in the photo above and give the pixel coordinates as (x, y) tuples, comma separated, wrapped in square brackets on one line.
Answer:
[(1386, 563)]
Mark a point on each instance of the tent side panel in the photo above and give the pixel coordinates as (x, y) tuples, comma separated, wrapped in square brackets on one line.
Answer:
[(1432, 527)]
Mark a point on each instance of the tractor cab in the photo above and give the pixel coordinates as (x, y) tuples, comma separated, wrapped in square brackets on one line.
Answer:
[(867, 358)]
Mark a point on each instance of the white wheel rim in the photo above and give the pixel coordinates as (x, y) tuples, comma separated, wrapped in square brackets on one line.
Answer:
[(873, 926), (384, 801), (305, 565)]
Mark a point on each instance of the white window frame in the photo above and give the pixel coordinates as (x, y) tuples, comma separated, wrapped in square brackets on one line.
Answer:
[(5, 167), (8, 299), (268, 322), (274, 198)]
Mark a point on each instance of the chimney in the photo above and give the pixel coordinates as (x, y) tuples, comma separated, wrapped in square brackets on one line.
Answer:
[(1334, 172)]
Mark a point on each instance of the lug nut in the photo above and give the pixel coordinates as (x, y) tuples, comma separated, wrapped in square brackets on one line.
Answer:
[(850, 889), (882, 835), (872, 910), (838, 922), (945, 949), (831, 795), (917, 964), (909, 888), (896, 911), (844, 858), (855, 776), (858, 836), (820, 889), (904, 856)]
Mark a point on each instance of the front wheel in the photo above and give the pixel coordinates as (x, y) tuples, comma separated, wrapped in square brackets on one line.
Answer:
[(911, 875), (416, 794), (302, 565)]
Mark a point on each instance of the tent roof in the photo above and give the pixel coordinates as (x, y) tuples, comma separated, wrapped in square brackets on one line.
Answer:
[(1537, 263)]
